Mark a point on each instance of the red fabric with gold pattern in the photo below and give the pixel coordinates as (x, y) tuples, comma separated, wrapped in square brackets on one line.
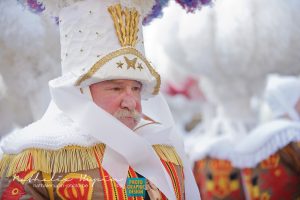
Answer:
[(113, 191), (177, 178), (274, 178), (83, 184), (217, 179), (75, 187), (22, 177), (14, 191)]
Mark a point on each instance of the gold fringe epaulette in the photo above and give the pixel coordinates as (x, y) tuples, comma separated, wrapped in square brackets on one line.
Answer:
[(68, 159), (168, 153), (4, 163)]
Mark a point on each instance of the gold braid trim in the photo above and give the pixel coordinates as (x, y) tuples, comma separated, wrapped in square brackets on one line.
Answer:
[(114, 54), (68, 159), (136, 28), (127, 14), (115, 12), (49, 185), (168, 153), (4, 163), (126, 24)]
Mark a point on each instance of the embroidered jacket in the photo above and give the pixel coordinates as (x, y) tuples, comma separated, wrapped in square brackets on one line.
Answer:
[(270, 161), (75, 172), (277, 177), (217, 179)]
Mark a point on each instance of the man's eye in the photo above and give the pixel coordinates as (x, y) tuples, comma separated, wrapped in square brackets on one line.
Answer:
[(116, 88), (137, 89)]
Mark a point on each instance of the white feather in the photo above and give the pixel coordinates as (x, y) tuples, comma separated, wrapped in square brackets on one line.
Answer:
[(53, 7)]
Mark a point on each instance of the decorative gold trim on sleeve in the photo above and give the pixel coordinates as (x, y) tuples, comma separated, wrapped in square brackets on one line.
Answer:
[(49, 185), (112, 55), (168, 153), (68, 159), (65, 160)]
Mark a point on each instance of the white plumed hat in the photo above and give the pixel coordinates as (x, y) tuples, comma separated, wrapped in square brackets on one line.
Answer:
[(282, 93), (102, 40)]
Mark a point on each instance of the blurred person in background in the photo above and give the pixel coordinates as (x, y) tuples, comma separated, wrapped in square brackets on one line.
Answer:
[(270, 154)]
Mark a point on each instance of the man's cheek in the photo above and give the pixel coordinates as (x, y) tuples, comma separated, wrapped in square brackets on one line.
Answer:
[(139, 108)]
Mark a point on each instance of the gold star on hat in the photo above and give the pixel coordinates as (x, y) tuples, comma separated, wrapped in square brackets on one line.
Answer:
[(120, 64), (130, 63), (116, 34)]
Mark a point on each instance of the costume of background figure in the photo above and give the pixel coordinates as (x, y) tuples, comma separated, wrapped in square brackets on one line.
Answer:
[(270, 155), (215, 176), (78, 144)]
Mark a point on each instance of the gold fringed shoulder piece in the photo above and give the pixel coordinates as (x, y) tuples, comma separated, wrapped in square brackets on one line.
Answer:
[(65, 160), (168, 153), (4, 163), (68, 159)]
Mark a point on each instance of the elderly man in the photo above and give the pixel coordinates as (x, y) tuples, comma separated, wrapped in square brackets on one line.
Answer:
[(95, 141), (270, 154)]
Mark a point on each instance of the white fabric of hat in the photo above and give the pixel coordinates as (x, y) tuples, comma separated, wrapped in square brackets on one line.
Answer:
[(53, 7), (282, 93), (104, 41)]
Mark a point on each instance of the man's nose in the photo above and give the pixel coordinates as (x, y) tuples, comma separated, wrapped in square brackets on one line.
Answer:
[(129, 100)]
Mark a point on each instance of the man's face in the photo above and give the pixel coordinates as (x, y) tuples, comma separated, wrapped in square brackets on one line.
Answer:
[(121, 98)]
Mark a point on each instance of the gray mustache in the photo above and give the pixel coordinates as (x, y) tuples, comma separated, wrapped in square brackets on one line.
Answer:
[(127, 113)]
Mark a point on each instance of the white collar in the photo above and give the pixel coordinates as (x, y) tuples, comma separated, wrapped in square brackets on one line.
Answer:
[(264, 141)]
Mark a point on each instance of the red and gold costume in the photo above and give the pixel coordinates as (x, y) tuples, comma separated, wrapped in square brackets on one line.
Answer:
[(277, 177), (217, 179), (76, 173), (269, 158)]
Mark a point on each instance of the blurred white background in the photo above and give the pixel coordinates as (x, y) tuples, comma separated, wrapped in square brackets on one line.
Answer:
[(227, 50)]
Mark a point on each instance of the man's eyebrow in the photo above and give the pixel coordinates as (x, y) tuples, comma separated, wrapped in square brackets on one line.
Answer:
[(119, 82), (113, 82)]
